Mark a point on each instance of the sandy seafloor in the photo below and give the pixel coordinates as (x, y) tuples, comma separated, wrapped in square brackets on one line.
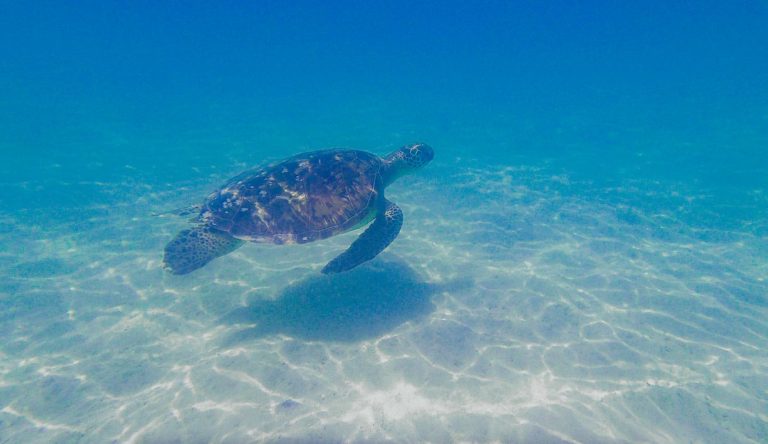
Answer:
[(519, 304)]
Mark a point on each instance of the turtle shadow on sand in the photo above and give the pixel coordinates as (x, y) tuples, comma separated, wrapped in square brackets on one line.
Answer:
[(363, 303)]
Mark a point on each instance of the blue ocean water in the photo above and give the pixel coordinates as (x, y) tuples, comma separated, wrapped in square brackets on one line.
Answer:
[(585, 260)]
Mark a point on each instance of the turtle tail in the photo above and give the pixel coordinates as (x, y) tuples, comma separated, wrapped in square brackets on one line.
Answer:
[(195, 247)]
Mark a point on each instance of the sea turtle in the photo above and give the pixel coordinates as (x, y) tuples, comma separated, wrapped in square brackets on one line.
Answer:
[(304, 198)]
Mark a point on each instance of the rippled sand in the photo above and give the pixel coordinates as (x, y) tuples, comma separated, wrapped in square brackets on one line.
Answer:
[(516, 305)]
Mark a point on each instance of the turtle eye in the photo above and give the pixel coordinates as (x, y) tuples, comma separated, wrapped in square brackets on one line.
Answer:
[(421, 154), (414, 156)]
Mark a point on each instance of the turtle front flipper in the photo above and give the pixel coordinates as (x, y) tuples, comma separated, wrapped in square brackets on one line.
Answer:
[(373, 241), (195, 247)]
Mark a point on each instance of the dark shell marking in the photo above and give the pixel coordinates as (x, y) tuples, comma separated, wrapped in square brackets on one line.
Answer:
[(307, 197)]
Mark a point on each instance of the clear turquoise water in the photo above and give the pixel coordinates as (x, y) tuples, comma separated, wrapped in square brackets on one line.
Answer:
[(585, 260)]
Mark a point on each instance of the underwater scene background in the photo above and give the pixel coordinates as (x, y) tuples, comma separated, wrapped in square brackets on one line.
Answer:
[(584, 260)]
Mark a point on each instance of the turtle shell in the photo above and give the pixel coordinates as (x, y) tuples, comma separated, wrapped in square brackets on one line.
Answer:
[(307, 197)]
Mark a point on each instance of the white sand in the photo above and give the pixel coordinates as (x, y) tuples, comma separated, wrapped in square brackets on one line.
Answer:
[(513, 307)]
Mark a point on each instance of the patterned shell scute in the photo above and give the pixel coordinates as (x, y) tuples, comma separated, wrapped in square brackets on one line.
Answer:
[(306, 197)]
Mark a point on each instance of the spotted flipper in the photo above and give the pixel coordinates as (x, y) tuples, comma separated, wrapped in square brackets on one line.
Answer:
[(195, 247), (373, 241)]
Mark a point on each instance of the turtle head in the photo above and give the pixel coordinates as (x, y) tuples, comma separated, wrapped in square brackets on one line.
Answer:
[(407, 160)]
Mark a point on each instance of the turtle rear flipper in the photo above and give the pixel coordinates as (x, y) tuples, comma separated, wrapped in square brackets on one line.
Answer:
[(373, 241), (195, 247)]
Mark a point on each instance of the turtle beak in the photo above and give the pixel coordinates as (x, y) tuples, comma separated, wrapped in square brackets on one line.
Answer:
[(425, 152), (429, 153)]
